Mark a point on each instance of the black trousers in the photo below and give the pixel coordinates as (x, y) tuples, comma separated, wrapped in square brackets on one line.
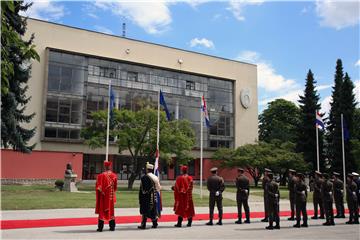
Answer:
[(274, 213), (318, 203), (218, 200), (353, 211), (292, 204), (301, 209), (329, 213), (266, 205), (243, 202), (339, 204)]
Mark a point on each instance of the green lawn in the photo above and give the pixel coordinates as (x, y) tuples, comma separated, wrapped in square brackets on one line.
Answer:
[(16, 197)]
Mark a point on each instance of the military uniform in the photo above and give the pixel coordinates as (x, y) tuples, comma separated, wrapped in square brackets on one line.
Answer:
[(215, 185), (327, 195), (317, 197), (301, 196), (273, 205), (352, 201), (291, 188), (357, 181), (265, 182), (338, 189), (242, 195)]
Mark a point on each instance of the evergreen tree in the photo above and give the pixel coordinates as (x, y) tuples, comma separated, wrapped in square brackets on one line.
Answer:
[(334, 148), (15, 73), (306, 143)]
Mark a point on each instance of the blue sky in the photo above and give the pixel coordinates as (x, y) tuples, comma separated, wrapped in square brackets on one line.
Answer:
[(284, 39)]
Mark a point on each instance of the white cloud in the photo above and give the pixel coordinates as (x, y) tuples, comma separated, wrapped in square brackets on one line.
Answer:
[(357, 91), (292, 96), (237, 7), (153, 16), (202, 42), (357, 64), (322, 87), (338, 14), (45, 10), (325, 105), (103, 29)]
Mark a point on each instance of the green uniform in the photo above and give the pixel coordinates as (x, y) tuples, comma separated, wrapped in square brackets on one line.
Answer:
[(273, 202), (327, 195), (317, 198), (215, 185), (338, 188), (352, 202), (265, 182), (301, 196), (291, 188), (242, 195)]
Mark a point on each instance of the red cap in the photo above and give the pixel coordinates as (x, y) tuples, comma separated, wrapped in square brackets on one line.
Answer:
[(107, 163), (184, 168)]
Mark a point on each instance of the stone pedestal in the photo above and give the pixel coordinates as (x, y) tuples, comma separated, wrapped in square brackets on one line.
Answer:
[(69, 182)]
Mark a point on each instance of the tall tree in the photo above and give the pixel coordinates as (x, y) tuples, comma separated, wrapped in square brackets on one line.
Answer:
[(334, 148), (279, 121), (306, 142), (16, 56), (356, 124)]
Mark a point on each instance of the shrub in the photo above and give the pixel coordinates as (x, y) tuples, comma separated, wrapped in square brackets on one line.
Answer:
[(59, 184)]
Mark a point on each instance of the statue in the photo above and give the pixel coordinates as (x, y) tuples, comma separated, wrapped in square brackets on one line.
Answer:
[(70, 178), (68, 170)]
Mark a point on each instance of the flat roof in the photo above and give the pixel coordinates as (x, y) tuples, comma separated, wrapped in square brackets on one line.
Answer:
[(136, 40)]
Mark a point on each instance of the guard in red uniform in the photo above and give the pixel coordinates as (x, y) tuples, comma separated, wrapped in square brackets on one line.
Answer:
[(106, 186), (184, 205)]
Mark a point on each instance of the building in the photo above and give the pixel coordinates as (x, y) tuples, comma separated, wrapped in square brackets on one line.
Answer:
[(71, 81)]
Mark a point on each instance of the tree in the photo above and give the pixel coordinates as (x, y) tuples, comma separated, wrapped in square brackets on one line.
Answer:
[(136, 133), (16, 56), (279, 121), (255, 157), (306, 141), (356, 124)]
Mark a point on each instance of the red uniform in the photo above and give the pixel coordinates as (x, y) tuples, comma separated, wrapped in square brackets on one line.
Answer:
[(106, 186), (184, 205)]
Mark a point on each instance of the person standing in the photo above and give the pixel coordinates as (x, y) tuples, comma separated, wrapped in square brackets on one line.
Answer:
[(184, 205), (148, 198), (242, 196), (215, 185), (338, 190), (301, 196), (291, 188), (356, 179), (265, 182), (317, 197), (106, 186), (273, 206), (352, 201), (327, 188)]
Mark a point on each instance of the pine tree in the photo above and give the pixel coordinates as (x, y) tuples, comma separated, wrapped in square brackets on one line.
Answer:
[(334, 148), (16, 56), (309, 104)]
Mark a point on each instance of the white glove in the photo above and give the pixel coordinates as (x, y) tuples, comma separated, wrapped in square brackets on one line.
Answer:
[(246, 191), (342, 191), (303, 192), (276, 195), (354, 193), (217, 193), (330, 193)]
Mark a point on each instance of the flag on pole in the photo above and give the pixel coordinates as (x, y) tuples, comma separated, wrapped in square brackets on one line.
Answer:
[(112, 102), (205, 112), (319, 122), (163, 103), (346, 131)]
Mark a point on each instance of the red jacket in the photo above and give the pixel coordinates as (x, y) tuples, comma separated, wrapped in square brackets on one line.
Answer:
[(106, 186), (184, 205)]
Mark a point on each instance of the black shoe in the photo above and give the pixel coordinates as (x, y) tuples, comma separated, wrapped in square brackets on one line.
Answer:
[(304, 225), (112, 225), (100, 226), (189, 222), (210, 223), (247, 221), (314, 217), (269, 228), (238, 221), (291, 218), (321, 217), (336, 216), (179, 222), (349, 222), (155, 225), (332, 223), (356, 222), (342, 216), (141, 227), (265, 220), (326, 224), (296, 225), (277, 227), (177, 225), (219, 223)]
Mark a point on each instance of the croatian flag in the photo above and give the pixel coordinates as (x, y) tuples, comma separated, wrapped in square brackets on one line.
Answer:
[(158, 194), (319, 122), (205, 111)]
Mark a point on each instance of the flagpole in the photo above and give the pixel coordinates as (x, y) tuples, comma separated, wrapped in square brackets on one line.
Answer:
[(108, 125), (317, 144), (201, 149), (158, 134), (343, 151)]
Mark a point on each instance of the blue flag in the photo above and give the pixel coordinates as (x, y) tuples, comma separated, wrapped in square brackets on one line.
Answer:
[(346, 131), (112, 102), (163, 103)]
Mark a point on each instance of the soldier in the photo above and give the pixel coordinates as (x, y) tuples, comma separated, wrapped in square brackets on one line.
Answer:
[(265, 180), (291, 187), (242, 195), (352, 201), (273, 197), (327, 195), (317, 197), (338, 189), (215, 185), (301, 196), (356, 179)]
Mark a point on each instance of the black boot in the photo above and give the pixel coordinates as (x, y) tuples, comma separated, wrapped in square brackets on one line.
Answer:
[(189, 222), (155, 224), (297, 225), (264, 220), (239, 221), (247, 220), (112, 225), (219, 222), (100, 225), (180, 219), (304, 224), (210, 223), (143, 223)]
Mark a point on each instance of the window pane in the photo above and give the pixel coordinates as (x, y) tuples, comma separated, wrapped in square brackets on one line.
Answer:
[(53, 78), (50, 132), (63, 133), (75, 134), (66, 75), (51, 115)]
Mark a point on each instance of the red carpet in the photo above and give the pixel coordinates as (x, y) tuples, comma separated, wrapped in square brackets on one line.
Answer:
[(58, 222)]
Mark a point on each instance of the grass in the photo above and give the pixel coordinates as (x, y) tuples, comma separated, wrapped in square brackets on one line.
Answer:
[(23, 197)]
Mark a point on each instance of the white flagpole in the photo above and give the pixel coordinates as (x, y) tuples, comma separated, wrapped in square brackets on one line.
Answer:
[(317, 143), (343, 151), (201, 148), (158, 135), (108, 126)]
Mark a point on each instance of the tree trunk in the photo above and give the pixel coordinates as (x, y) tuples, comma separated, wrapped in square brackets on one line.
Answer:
[(132, 180)]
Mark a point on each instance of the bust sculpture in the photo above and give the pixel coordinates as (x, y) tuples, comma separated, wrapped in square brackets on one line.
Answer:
[(68, 170)]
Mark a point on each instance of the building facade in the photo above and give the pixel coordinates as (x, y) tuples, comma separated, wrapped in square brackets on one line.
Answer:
[(71, 81)]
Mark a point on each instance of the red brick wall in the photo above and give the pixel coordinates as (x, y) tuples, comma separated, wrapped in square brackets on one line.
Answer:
[(39, 164)]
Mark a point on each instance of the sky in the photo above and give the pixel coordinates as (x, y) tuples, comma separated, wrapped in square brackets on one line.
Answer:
[(284, 38)]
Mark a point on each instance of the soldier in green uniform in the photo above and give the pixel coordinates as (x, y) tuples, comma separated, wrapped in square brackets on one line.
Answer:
[(301, 196), (242, 196), (291, 188), (326, 190), (215, 185), (265, 181), (338, 189), (317, 197), (273, 199), (352, 201)]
